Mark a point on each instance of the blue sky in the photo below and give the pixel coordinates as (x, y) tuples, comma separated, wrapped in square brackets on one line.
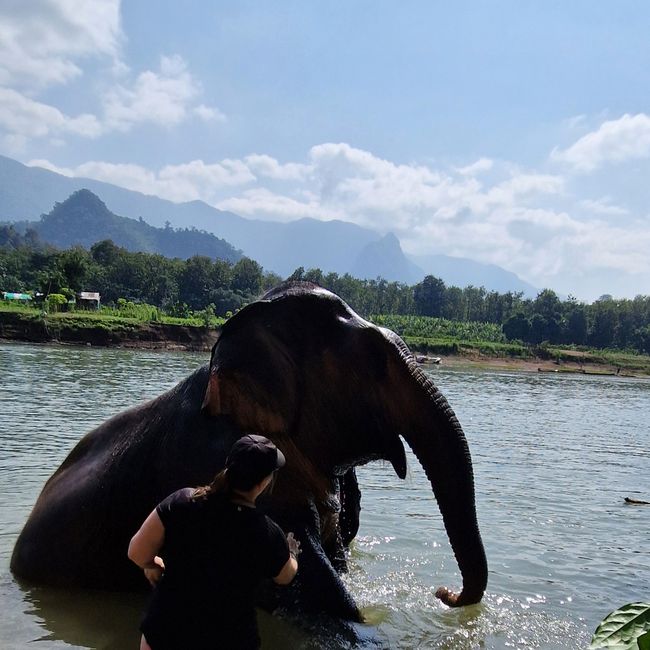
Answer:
[(516, 133)]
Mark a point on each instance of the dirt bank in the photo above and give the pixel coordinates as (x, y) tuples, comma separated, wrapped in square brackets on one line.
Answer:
[(105, 333), (121, 332), (537, 365)]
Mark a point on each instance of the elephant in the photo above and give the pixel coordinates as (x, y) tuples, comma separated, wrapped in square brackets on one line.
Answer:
[(332, 390)]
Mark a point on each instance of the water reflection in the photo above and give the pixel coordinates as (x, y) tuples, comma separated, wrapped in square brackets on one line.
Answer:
[(85, 618)]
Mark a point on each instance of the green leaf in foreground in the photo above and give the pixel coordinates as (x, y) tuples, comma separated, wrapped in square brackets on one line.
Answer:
[(644, 641), (623, 627)]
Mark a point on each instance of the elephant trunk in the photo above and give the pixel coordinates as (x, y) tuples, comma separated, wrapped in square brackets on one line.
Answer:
[(438, 441)]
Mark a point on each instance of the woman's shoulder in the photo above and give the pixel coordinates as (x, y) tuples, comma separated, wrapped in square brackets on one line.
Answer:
[(176, 499), (267, 527)]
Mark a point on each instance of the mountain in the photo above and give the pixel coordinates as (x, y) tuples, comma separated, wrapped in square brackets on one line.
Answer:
[(28, 192), (461, 272), (386, 252), (83, 219)]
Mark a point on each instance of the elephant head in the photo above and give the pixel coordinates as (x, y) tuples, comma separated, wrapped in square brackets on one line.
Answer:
[(334, 391)]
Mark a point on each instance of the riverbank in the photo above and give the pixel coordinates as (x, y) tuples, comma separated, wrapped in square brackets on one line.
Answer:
[(103, 331), (583, 363), (538, 364), (543, 358), (114, 331)]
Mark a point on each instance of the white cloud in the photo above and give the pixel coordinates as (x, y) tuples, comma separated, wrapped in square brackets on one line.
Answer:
[(602, 206), (523, 183), (46, 164), (24, 117), (375, 192), (208, 114), (198, 180), (42, 41), (336, 162), (478, 167), (186, 182), (13, 143), (262, 203), (528, 222), (575, 121), (268, 167), (388, 196), (519, 186), (130, 176), (164, 98), (615, 141), (45, 43)]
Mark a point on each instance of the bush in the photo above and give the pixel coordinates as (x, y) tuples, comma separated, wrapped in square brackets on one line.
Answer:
[(180, 310), (55, 302), (69, 294), (207, 316)]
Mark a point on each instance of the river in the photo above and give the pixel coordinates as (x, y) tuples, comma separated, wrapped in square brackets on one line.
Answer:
[(554, 456)]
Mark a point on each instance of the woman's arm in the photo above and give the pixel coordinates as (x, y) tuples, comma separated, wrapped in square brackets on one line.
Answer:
[(144, 547), (288, 572), (290, 569)]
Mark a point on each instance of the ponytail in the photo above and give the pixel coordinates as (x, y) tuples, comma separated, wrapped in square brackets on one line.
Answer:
[(220, 486)]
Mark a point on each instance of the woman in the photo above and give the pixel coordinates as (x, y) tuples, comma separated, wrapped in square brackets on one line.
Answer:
[(217, 548)]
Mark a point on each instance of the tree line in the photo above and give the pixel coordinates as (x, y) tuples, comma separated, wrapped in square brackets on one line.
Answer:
[(182, 286), (605, 323), (174, 285)]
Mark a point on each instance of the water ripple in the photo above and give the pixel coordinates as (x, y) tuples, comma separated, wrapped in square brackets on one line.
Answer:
[(554, 457)]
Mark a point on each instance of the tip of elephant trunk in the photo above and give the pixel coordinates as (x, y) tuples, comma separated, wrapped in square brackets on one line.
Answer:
[(452, 599)]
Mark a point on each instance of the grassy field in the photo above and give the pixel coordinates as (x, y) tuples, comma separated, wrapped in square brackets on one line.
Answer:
[(484, 341), (131, 316), (144, 327)]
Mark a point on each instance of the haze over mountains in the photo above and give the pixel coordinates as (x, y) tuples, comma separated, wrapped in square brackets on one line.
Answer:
[(28, 192)]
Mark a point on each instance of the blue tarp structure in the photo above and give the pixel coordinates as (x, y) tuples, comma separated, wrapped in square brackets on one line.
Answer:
[(8, 295)]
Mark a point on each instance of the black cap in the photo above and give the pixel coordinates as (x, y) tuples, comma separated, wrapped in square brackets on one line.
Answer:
[(251, 459)]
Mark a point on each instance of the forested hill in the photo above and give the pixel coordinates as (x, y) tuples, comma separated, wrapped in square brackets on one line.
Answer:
[(83, 219)]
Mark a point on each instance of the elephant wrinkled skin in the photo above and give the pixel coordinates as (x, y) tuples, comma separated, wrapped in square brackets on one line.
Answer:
[(330, 389)]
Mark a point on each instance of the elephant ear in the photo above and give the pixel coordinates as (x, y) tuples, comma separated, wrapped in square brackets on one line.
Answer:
[(211, 401), (252, 375)]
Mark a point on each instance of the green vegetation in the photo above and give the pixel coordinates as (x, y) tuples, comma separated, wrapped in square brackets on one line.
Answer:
[(128, 324), (627, 628), (430, 316), (426, 327), (442, 336), (622, 324), (55, 302), (126, 314), (177, 287)]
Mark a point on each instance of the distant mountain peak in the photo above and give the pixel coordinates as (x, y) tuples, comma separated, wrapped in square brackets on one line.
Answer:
[(82, 207), (384, 258), (387, 243), (87, 197), (83, 219), (336, 245), (82, 199)]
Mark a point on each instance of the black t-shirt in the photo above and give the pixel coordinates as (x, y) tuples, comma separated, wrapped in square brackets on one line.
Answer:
[(215, 553)]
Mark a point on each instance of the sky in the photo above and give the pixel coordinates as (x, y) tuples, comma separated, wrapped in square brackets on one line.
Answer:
[(515, 133)]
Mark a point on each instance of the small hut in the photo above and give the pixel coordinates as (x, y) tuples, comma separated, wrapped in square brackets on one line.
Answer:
[(88, 300)]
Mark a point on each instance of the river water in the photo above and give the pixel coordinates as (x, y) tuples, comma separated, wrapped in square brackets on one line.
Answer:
[(554, 457)]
